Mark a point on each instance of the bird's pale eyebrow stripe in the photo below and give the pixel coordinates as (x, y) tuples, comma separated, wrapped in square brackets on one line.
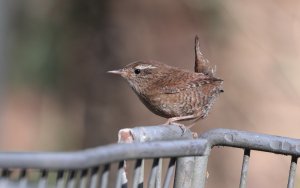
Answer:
[(145, 67)]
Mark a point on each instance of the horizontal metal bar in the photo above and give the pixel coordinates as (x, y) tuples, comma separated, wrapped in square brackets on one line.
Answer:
[(176, 148), (154, 133), (102, 155), (252, 141)]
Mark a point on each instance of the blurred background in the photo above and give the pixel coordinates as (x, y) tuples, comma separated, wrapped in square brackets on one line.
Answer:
[(56, 96)]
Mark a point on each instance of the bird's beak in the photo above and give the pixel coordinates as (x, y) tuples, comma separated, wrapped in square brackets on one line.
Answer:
[(115, 71)]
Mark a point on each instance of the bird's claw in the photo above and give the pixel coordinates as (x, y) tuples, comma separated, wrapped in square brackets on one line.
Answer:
[(183, 128)]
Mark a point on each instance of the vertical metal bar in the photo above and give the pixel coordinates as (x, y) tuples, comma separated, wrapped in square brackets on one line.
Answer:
[(43, 179), (4, 178), (95, 177), (151, 181), (184, 172), (138, 177), (292, 172), (104, 176), (121, 177), (169, 173), (71, 180), (84, 178), (200, 172), (88, 177), (158, 174), (244, 171), (23, 179), (155, 174), (60, 179)]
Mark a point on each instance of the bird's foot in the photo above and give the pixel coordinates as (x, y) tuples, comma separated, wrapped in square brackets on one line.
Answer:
[(181, 126)]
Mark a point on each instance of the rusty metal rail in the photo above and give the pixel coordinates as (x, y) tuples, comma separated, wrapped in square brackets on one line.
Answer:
[(186, 154)]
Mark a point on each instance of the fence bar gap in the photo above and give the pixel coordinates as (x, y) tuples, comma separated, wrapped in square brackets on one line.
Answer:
[(170, 172), (244, 171), (292, 172), (138, 177), (43, 179), (104, 176), (121, 177), (95, 177)]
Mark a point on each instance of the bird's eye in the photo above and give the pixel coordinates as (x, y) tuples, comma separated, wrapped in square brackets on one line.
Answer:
[(137, 71)]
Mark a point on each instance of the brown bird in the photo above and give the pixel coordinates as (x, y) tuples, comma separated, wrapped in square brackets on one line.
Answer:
[(172, 92)]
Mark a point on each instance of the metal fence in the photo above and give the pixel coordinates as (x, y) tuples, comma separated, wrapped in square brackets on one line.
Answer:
[(178, 160)]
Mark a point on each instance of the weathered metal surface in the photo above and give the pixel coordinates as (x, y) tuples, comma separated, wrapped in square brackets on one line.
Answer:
[(116, 152), (200, 172), (184, 172), (253, 141), (156, 133), (157, 142), (101, 155)]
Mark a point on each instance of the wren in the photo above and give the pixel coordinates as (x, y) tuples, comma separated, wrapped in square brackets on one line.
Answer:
[(172, 92)]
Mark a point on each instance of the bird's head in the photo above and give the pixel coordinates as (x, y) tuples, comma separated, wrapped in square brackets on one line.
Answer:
[(141, 74)]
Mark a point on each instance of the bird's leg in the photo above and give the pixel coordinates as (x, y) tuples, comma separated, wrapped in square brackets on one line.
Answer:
[(174, 120), (180, 118), (193, 123)]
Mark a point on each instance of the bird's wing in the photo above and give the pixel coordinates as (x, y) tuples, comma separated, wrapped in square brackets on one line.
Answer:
[(193, 83)]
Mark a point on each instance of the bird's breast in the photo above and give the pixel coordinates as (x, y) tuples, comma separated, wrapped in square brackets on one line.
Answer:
[(183, 103)]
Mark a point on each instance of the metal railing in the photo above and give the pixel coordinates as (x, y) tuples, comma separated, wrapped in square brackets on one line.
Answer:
[(178, 160)]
